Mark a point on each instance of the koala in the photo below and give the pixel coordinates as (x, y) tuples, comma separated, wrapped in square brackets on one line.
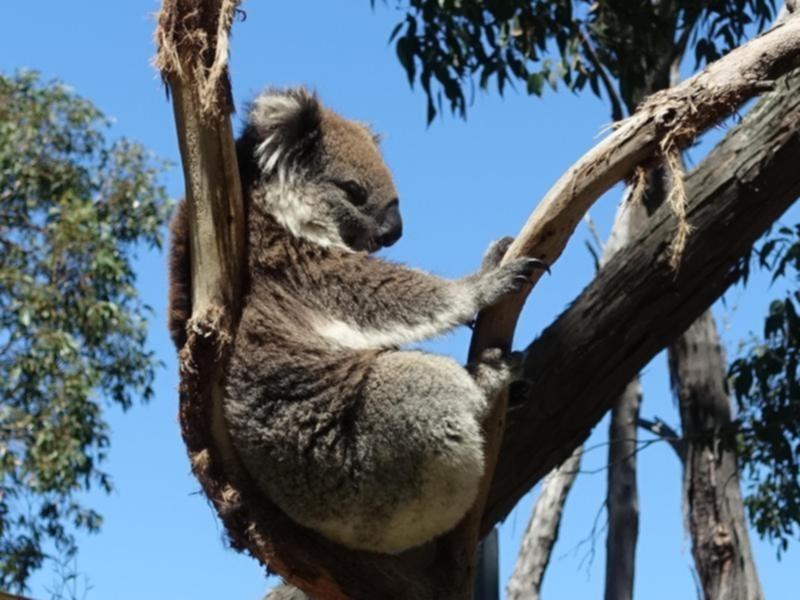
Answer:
[(376, 447)]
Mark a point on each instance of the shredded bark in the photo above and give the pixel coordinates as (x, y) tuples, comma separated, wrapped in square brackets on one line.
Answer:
[(676, 199), (637, 185), (193, 41)]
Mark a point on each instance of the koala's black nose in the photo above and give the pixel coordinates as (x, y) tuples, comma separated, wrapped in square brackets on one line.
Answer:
[(391, 227)]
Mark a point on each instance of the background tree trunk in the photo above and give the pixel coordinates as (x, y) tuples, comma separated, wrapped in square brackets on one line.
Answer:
[(542, 531), (622, 498), (713, 502)]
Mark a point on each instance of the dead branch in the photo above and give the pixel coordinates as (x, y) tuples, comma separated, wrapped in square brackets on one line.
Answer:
[(542, 531), (665, 432)]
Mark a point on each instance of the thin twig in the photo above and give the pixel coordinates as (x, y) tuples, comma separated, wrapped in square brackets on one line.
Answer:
[(617, 112)]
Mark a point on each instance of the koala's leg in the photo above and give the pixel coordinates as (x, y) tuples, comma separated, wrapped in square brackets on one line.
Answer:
[(420, 454), (495, 369)]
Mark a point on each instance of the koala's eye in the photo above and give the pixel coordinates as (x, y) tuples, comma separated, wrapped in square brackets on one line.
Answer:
[(356, 193)]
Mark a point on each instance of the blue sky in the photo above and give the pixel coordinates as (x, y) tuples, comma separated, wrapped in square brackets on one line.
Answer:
[(462, 184)]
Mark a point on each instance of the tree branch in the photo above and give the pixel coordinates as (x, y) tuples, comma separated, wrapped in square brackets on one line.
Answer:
[(542, 532), (665, 432), (193, 37), (680, 113), (637, 304)]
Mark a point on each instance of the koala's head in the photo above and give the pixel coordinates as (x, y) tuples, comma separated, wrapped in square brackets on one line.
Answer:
[(319, 175)]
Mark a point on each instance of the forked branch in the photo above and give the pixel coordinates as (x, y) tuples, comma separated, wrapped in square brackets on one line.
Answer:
[(193, 41), (677, 114)]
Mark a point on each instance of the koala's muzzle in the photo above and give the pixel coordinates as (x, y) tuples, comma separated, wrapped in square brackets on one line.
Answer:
[(391, 224)]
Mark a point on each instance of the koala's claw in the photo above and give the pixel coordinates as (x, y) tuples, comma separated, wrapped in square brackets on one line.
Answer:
[(509, 278)]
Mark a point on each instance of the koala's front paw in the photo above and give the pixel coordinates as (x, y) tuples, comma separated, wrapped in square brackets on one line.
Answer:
[(509, 278), (495, 253)]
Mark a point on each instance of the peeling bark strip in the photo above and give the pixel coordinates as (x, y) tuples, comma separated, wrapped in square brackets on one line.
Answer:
[(712, 494), (193, 42), (638, 303)]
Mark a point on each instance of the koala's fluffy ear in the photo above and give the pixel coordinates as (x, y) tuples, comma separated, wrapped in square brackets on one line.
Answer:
[(283, 131)]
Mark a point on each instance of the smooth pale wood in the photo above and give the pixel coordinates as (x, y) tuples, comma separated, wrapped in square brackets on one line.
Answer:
[(216, 215)]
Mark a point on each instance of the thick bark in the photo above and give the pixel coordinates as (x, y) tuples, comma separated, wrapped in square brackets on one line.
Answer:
[(712, 496), (638, 302), (542, 531)]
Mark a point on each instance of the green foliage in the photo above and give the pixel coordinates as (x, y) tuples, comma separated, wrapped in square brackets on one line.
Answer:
[(447, 44), (767, 389), (73, 207)]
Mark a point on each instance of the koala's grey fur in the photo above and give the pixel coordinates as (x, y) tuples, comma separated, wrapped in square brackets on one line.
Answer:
[(374, 447)]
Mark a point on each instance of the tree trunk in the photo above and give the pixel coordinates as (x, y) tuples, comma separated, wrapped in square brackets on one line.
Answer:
[(713, 502), (584, 360), (542, 531), (193, 43), (487, 576), (622, 497)]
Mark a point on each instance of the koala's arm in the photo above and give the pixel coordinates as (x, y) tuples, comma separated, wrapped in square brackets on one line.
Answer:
[(382, 304), (180, 275)]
